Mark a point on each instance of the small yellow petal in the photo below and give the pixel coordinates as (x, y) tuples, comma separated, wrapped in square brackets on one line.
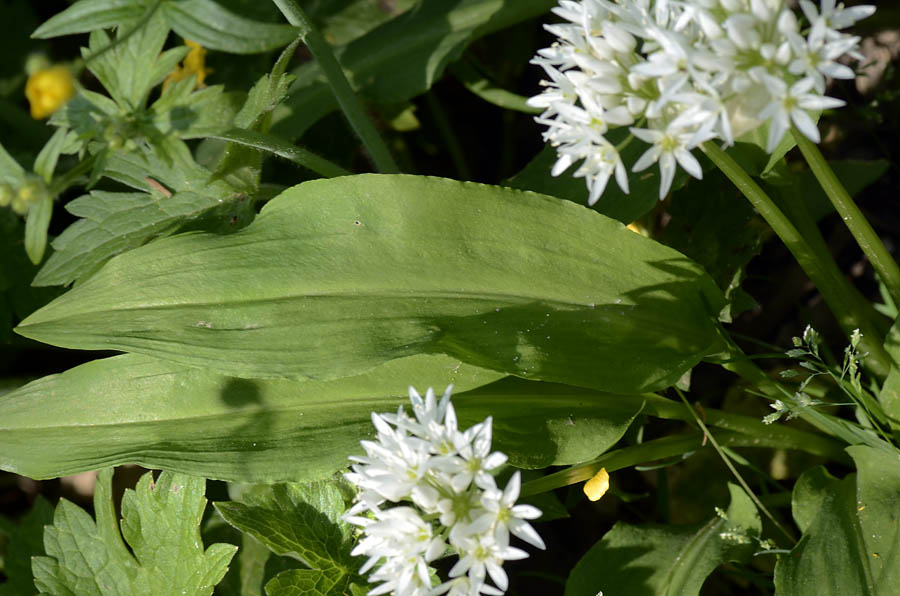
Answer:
[(48, 89), (597, 486), (637, 228)]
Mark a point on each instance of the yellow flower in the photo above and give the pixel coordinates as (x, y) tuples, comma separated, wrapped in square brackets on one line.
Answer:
[(48, 89), (193, 64), (597, 486)]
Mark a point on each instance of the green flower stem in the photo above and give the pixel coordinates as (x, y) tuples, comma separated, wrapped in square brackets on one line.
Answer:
[(787, 436), (859, 226), (730, 465), (346, 98), (820, 267), (737, 431), (651, 451), (65, 181)]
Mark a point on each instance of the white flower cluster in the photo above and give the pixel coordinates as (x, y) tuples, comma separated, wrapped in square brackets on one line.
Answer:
[(426, 488), (681, 72)]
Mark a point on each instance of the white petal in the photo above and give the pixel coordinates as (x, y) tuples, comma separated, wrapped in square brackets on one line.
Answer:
[(805, 125), (666, 174), (689, 163), (524, 531), (646, 160)]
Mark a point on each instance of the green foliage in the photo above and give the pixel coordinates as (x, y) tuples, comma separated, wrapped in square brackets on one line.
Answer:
[(196, 421), (160, 523), (24, 540), (302, 521), (850, 530), (656, 560), (423, 40), (516, 297), (204, 21)]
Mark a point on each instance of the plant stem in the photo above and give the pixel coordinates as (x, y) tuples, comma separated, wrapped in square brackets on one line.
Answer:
[(820, 267), (871, 245), (657, 449), (346, 98), (730, 465)]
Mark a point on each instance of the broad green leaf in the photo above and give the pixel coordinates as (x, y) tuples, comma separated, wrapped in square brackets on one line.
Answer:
[(134, 409), (36, 224), (656, 560), (24, 540), (851, 539), (89, 15), (545, 424), (424, 40), (217, 28), (337, 276), (160, 522), (301, 521)]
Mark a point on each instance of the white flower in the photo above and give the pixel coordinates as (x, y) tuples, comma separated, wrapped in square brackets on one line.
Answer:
[(682, 72), (481, 553), (668, 147), (505, 516), (436, 483), (790, 105)]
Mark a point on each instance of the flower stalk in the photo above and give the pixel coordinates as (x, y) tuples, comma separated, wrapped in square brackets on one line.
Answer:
[(820, 267), (346, 97), (871, 245)]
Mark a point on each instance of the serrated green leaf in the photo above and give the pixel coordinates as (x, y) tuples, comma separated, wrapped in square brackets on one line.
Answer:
[(131, 66), (113, 223), (275, 146), (88, 15), (667, 560), (135, 409), (858, 513), (337, 276), (160, 521), (214, 27), (424, 40), (305, 582), (25, 540), (301, 521), (192, 114)]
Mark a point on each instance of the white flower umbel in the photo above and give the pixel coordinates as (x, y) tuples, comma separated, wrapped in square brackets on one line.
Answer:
[(681, 72), (426, 487)]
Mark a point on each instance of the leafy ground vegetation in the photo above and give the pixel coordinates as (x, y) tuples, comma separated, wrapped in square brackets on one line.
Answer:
[(647, 247)]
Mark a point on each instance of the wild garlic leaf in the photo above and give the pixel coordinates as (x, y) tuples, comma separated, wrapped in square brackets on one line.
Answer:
[(161, 524), (302, 521)]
